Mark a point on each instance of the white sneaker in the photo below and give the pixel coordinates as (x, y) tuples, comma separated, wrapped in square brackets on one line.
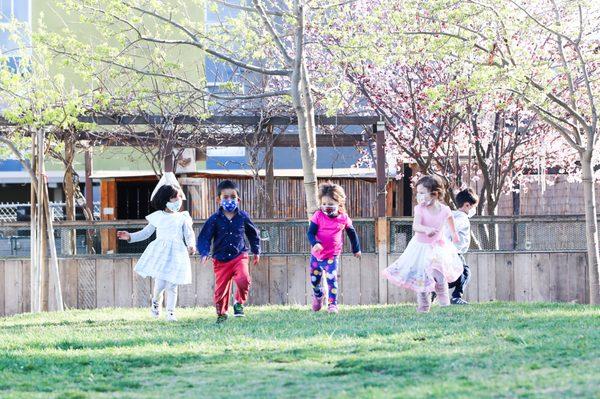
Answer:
[(155, 309), (171, 316)]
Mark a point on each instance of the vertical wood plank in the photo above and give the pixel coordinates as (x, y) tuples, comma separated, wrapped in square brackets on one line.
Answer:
[(142, 288), (577, 277), (472, 294), (105, 283), (123, 283), (504, 277), (308, 283), (279, 280), (559, 262), (187, 293), (3, 290), (487, 277), (296, 279), (26, 287), (86, 277), (522, 277), (395, 293), (369, 279), (70, 288), (540, 277), (259, 290), (351, 288), (205, 284), (13, 287)]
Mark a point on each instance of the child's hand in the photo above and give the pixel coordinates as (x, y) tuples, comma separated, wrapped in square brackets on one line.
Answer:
[(358, 254), (432, 232), (256, 259), (123, 235), (203, 260), (191, 250), (455, 238), (317, 247)]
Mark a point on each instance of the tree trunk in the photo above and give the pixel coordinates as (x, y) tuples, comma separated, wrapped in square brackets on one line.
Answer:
[(302, 100), (70, 236), (591, 225), (36, 304)]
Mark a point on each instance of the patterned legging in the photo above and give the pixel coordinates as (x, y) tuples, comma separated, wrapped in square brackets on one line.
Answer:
[(329, 267)]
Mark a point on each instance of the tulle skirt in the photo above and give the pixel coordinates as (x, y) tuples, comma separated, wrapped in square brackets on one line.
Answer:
[(420, 262)]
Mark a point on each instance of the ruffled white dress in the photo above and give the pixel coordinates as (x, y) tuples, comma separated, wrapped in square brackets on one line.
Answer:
[(166, 258), (426, 258)]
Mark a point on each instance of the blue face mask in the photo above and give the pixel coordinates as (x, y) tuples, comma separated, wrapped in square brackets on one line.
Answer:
[(229, 204)]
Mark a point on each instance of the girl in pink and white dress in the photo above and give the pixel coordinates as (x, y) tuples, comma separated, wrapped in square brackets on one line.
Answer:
[(429, 261)]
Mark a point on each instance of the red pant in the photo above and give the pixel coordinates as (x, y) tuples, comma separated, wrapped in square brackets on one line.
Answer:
[(227, 272)]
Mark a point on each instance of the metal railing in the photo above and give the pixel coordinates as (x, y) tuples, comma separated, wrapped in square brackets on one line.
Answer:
[(81, 238), (286, 237), (518, 233), (13, 211)]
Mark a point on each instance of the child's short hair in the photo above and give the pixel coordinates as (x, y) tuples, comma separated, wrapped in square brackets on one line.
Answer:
[(466, 196), (162, 196), (333, 191), (434, 184), (225, 185)]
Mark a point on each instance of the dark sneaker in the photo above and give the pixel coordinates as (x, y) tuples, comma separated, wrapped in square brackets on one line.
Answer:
[(238, 310), (458, 301), (222, 318), (433, 296)]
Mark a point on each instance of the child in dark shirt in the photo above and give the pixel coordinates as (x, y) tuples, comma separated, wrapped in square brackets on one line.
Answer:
[(225, 229)]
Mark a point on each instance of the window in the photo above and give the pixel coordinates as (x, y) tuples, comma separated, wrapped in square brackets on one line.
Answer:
[(17, 9)]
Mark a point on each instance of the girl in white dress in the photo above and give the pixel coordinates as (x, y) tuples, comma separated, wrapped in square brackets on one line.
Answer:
[(166, 259), (429, 260)]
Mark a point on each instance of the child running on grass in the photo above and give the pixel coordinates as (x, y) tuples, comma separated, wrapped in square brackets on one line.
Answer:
[(326, 238), (429, 261), (225, 229), (466, 200), (166, 259)]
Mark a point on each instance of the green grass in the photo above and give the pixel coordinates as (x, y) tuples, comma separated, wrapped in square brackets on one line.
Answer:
[(491, 350)]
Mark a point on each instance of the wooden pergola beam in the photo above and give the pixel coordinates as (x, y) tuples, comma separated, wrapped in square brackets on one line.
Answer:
[(224, 120), (226, 140)]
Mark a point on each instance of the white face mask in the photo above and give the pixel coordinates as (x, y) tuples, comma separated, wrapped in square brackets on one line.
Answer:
[(330, 210), (424, 199), (174, 206), (471, 212)]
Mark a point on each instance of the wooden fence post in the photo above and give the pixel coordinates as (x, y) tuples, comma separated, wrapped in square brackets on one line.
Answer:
[(382, 232)]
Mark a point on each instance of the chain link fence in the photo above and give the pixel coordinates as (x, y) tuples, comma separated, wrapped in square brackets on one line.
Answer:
[(535, 233), (283, 237), (14, 212)]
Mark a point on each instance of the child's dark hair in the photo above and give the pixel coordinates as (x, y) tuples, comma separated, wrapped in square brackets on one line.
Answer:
[(164, 195), (225, 185), (466, 196), (434, 184), (333, 191)]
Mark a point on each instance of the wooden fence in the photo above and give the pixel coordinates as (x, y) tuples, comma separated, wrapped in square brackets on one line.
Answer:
[(111, 282)]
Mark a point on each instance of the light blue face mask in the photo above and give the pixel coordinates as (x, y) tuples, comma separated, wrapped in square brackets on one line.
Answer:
[(229, 204), (174, 206)]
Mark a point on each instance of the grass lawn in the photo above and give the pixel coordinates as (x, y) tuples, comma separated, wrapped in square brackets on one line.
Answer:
[(490, 350)]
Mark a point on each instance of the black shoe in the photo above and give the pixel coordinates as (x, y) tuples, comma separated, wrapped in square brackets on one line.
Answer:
[(433, 296), (238, 310), (222, 318), (458, 301)]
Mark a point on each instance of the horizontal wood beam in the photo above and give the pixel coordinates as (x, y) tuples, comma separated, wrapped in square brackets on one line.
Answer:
[(239, 120), (227, 140)]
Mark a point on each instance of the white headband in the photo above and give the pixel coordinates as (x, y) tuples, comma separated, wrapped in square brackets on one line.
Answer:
[(170, 179)]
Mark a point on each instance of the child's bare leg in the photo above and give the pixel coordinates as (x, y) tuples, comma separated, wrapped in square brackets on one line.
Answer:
[(441, 288), (423, 302)]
